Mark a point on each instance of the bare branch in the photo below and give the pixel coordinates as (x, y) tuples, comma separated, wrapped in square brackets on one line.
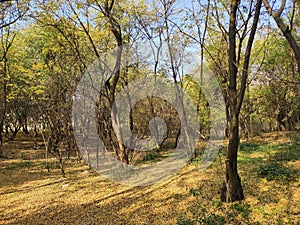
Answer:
[(271, 11), (285, 30), (247, 56)]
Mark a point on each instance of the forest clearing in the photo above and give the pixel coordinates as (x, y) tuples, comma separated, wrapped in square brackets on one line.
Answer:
[(269, 166), (150, 112)]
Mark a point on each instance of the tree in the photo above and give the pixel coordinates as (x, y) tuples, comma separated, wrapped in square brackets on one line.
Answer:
[(275, 93), (7, 39), (12, 11), (232, 189), (286, 30)]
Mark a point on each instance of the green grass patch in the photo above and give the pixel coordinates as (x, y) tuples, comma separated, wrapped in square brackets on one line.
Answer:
[(277, 171), (268, 160), (243, 209), (248, 147), (244, 159), (24, 164), (288, 151)]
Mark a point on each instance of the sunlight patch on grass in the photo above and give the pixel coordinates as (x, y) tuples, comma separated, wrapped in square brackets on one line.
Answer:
[(31, 195)]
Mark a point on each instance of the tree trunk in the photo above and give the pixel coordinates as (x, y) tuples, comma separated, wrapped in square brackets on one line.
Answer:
[(1, 139), (117, 32), (3, 103), (61, 163), (232, 189), (6, 44)]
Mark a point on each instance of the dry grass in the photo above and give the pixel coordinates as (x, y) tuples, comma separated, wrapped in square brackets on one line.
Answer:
[(31, 195)]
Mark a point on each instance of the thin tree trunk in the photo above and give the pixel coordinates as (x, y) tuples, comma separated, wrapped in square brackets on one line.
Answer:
[(117, 32), (232, 189), (1, 139), (4, 105), (5, 44), (61, 163), (46, 151)]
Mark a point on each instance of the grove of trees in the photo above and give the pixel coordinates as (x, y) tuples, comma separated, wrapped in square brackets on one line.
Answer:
[(251, 47)]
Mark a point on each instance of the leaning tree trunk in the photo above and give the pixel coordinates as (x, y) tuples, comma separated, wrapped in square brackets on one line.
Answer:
[(115, 28)]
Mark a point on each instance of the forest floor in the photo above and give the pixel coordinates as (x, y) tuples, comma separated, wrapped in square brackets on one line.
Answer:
[(269, 167)]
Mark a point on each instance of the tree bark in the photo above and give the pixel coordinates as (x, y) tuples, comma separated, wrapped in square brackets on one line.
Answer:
[(285, 30), (1, 140), (117, 32), (232, 189), (4, 94)]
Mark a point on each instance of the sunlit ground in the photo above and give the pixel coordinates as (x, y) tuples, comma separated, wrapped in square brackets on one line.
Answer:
[(269, 167)]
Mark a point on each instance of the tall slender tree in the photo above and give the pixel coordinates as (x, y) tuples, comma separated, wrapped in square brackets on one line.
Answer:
[(7, 39), (232, 189)]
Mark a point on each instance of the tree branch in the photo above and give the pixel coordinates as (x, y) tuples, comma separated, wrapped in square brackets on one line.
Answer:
[(271, 11), (247, 56), (285, 30)]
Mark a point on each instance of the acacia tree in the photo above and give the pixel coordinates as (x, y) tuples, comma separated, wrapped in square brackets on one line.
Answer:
[(43, 85)]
